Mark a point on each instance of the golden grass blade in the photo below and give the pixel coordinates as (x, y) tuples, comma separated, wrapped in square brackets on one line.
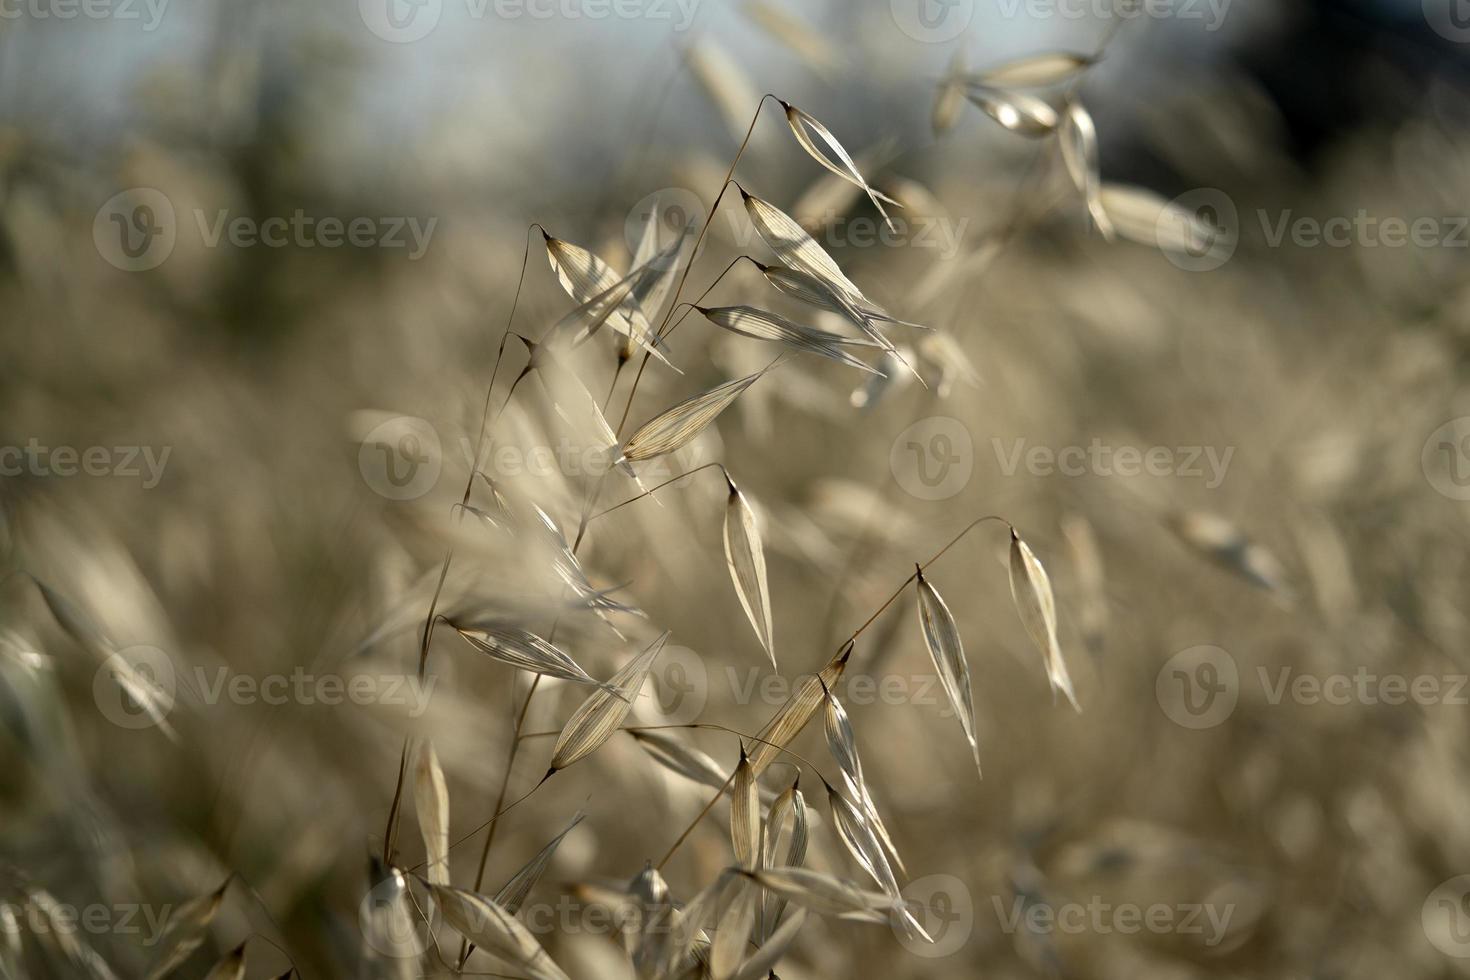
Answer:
[(803, 124), (1037, 70), (431, 803), (1080, 155), (1019, 113), (821, 892), (949, 96), (745, 815), (513, 893), (746, 559), (792, 716), (676, 427), (492, 928), (232, 967), (726, 84), (524, 650), (1032, 592), (599, 716), (187, 929), (1092, 613), (794, 247), (942, 638), (1217, 539), (816, 51)]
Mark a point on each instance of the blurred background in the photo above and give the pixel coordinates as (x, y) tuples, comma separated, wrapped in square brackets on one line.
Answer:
[(256, 266)]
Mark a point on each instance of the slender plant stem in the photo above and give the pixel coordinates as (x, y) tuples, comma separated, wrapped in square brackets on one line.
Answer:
[(694, 253), (391, 830)]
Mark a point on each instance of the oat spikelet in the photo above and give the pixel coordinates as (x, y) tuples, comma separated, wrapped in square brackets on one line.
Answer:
[(803, 124), (1141, 216), (790, 801), (513, 893), (431, 803), (599, 716), (747, 562), (676, 427), (526, 651), (942, 639), (949, 96), (822, 892), (1031, 590), (842, 744), (684, 760), (1080, 155), (732, 928), (1037, 70), (761, 325), (745, 814), (792, 716), (794, 247), (1092, 614), (815, 50), (1022, 114), (491, 927)]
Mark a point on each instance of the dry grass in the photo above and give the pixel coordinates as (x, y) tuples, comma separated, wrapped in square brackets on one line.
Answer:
[(601, 688)]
